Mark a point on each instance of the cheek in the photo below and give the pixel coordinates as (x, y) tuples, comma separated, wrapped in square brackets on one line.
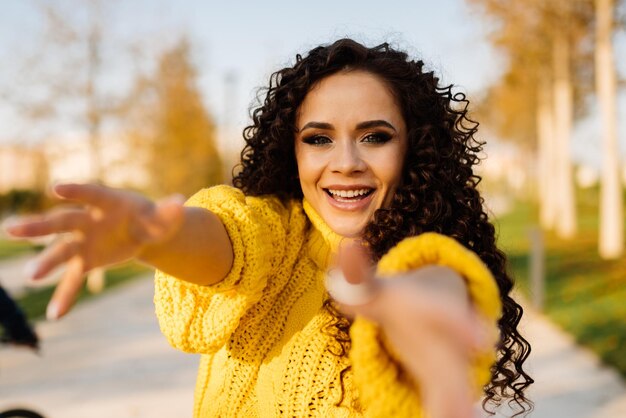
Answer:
[(308, 168), (390, 170), (392, 179), (397, 166), (398, 174), (300, 163)]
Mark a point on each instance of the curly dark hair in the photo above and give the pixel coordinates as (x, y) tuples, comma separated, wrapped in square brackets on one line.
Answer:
[(438, 190)]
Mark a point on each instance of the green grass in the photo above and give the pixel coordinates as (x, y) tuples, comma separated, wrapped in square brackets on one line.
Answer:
[(35, 301), (10, 248), (584, 294)]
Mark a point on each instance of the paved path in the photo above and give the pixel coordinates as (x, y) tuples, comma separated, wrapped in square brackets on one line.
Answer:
[(570, 382), (108, 359), (13, 276)]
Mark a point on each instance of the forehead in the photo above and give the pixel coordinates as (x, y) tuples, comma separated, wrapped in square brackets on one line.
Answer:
[(350, 97)]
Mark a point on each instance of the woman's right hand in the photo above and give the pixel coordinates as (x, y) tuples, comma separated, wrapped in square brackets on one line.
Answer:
[(107, 226), (431, 325)]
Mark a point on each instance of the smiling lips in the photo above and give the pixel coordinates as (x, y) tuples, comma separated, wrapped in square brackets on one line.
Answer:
[(349, 199)]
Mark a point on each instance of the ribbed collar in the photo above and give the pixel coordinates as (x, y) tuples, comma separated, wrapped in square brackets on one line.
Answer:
[(323, 243)]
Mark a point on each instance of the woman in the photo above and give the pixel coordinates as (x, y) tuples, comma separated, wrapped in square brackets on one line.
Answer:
[(357, 171)]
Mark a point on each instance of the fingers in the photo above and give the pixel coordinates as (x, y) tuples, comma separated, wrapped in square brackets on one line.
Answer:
[(440, 314), (55, 222), (89, 194), (67, 290), (53, 256), (458, 324), (65, 220), (352, 284), (355, 262)]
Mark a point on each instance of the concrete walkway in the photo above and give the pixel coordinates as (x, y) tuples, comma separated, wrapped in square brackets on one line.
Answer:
[(570, 381), (108, 359), (13, 276)]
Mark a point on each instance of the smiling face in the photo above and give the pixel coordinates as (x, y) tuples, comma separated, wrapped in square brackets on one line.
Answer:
[(350, 148)]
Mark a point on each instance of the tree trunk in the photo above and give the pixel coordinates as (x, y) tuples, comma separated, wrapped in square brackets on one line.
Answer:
[(548, 206), (94, 114), (96, 278), (611, 238), (563, 115)]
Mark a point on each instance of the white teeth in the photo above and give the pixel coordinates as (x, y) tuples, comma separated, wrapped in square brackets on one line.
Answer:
[(348, 193)]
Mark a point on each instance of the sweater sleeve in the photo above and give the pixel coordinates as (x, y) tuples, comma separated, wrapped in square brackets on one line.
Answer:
[(200, 319), (383, 389)]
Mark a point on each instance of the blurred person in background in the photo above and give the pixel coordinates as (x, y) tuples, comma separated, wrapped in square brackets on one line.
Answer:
[(14, 328), (351, 270)]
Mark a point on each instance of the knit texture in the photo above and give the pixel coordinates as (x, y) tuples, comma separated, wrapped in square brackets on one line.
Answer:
[(261, 331)]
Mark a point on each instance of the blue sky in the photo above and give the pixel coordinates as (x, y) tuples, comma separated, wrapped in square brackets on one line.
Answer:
[(252, 38)]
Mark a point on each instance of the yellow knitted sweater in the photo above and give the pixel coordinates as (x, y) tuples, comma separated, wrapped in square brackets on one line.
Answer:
[(260, 330)]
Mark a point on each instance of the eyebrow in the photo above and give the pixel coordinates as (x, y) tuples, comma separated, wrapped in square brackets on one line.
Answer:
[(362, 125), (317, 125)]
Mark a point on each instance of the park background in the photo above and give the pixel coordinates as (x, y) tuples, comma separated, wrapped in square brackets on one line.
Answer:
[(154, 95)]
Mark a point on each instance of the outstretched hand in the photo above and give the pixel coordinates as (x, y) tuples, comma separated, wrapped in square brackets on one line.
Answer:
[(104, 227), (426, 316)]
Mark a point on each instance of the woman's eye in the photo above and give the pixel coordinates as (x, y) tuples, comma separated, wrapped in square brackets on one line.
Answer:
[(317, 140), (376, 138)]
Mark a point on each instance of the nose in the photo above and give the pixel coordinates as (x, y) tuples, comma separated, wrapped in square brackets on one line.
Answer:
[(347, 159)]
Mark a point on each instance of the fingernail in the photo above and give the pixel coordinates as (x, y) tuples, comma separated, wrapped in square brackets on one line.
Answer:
[(30, 268), (52, 188), (52, 311)]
